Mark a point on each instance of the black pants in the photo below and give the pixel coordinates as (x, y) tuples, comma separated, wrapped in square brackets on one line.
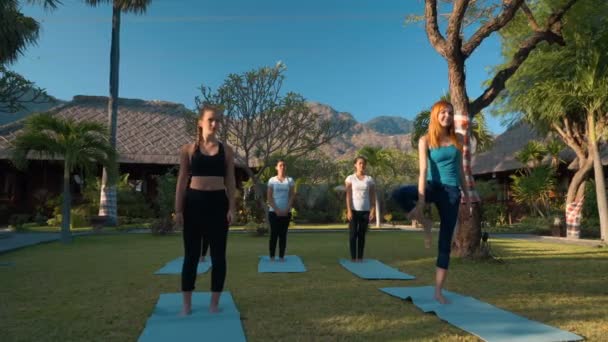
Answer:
[(205, 218), (205, 243), (358, 227), (278, 231), (447, 199)]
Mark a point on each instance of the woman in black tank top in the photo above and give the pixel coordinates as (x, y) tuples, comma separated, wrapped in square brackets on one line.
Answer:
[(205, 214)]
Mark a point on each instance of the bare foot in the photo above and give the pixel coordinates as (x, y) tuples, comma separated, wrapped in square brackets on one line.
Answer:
[(271, 259), (441, 299), (282, 259), (214, 309), (353, 260), (186, 311), (201, 259)]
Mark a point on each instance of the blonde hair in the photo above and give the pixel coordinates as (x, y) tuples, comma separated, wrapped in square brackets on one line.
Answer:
[(435, 129)]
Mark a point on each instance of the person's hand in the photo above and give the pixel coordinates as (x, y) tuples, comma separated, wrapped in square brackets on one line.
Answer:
[(178, 219), (349, 215), (229, 216), (419, 211), (372, 216)]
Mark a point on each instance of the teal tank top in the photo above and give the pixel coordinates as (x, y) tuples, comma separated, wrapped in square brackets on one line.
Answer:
[(444, 165)]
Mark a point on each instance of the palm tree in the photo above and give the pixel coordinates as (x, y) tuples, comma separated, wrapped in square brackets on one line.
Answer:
[(107, 203), (532, 154), (18, 31), (80, 144)]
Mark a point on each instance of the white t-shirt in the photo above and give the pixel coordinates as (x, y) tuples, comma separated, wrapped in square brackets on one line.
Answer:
[(280, 191), (360, 191)]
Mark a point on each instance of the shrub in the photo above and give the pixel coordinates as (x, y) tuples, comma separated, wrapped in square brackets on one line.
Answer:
[(18, 220), (162, 226), (130, 202), (79, 218), (165, 198), (388, 218)]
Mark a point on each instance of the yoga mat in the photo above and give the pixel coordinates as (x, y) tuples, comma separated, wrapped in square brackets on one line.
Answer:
[(165, 323), (175, 266), (481, 319), (374, 269), (292, 264)]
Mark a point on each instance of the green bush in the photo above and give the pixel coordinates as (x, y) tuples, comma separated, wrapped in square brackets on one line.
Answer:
[(162, 226), (130, 202), (165, 198), (493, 214), (18, 220)]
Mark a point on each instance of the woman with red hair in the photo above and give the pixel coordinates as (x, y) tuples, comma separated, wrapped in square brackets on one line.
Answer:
[(440, 181)]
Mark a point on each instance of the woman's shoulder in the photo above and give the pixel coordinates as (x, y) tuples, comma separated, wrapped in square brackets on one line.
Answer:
[(187, 148)]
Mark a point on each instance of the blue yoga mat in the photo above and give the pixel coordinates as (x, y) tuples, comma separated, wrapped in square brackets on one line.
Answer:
[(292, 264), (165, 323), (175, 267), (374, 269), (481, 319)]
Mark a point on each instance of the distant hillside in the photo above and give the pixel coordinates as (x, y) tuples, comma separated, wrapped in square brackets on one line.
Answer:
[(390, 125), (42, 105), (359, 135)]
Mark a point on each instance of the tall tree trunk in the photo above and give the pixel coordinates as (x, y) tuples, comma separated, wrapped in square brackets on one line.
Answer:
[(576, 196), (66, 205), (377, 210), (600, 183), (468, 234), (107, 203)]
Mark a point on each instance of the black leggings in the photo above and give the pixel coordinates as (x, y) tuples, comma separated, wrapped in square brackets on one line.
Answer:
[(205, 218), (205, 243), (278, 231), (358, 227)]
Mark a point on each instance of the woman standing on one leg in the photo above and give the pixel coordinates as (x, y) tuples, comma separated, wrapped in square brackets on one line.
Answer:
[(360, 207), (206, 206), (280, 199), (441, 175)]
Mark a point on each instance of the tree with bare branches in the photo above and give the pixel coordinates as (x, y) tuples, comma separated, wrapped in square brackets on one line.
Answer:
[(260, 122), (486, 17)]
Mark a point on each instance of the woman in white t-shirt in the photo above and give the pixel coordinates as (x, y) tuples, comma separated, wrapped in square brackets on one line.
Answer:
[(280, 196), (360, 207)]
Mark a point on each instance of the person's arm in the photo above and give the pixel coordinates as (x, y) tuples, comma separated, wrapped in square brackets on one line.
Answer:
[(182, 183), (230, 182), (372, 200), (270, 196), (349, 198), (423, 149), (292, 196), (463, 183)]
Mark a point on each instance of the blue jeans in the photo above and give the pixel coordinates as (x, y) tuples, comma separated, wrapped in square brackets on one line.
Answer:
[(447, 201)]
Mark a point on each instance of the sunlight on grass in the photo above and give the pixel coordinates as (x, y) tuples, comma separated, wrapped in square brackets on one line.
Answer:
[(102, 288)]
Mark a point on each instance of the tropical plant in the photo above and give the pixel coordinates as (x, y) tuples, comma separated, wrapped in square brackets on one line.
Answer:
[(82, 145), (534, 188)]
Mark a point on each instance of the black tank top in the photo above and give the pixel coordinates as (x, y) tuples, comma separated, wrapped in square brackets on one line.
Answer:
[(204, 165)]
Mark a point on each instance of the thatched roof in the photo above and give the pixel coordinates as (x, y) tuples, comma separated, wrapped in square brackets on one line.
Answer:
[(501, 157), (149, 132)]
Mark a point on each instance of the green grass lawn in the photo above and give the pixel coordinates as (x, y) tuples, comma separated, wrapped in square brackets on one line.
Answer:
[(102, 288)]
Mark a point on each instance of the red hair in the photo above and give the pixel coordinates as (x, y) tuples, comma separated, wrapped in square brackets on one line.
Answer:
[(435, 129)]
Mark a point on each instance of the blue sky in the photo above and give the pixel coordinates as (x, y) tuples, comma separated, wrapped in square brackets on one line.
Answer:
[(354, 55)]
